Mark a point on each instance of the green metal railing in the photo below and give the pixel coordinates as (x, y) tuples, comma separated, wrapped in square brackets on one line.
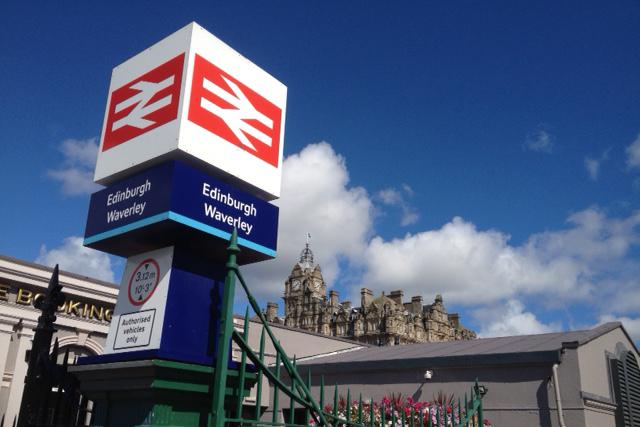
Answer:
[(229, 410)]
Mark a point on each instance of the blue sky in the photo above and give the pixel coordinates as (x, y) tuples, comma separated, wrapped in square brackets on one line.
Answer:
[(487, 152)]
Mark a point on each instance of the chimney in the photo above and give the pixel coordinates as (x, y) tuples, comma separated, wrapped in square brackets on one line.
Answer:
[(333, 298), (272, 311), (454, 319), (416, 305), (346, 305), (396, 296), (366, 296)]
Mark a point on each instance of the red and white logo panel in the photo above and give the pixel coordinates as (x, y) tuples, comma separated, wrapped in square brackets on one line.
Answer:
[(231, 110), (144, 104)]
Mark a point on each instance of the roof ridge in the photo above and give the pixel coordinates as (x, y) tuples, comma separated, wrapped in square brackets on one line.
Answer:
[(63, 272)]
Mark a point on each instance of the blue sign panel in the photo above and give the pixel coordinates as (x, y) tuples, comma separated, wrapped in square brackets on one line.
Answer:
[(176, 204), (190, 321)]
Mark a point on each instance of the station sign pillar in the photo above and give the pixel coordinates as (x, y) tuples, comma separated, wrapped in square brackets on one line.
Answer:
[(190, 153)]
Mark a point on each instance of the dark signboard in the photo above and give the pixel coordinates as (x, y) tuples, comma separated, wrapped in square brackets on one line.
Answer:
[(176, 204)]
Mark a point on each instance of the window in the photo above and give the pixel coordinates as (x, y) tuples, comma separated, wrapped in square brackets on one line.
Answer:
[(75, 351), (626, 375)]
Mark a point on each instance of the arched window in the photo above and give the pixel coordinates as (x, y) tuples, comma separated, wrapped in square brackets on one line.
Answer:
[(75, 351), (627, 389)]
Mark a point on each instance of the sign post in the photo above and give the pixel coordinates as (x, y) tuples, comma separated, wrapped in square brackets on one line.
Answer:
[(190, 154)]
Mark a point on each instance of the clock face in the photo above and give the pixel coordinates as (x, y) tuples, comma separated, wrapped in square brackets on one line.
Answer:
[(295, 285), (316, 285)]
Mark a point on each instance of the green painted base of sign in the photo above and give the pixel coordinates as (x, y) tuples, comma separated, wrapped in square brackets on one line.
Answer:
[(154, 393)]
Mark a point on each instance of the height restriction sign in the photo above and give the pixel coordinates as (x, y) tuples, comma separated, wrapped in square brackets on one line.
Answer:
[(143, 281)]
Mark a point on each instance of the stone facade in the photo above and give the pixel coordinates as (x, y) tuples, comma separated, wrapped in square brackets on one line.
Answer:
[(383, 320), (81, 326)]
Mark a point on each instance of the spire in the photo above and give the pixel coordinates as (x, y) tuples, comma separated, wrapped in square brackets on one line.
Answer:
[(306, 256)]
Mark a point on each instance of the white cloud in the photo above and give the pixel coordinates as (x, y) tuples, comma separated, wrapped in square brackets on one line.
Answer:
[(395, 197), (73, 257), (76, 174), (632, 325), (621, 294), (407, 189), (317, 199), (390, 196), (408, 218), (591, 237), (470, 266), (633, 153), (593, 165), (82, 152), (540, 141), (75, 181), (511, 319)]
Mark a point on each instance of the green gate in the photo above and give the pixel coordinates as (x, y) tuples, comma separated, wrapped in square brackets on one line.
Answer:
[(231, 385)]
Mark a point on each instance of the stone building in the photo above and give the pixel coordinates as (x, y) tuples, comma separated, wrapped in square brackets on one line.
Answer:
[(81, 326), (382, 320)]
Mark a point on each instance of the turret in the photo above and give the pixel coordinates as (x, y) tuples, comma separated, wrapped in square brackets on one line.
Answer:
[(366, 297)]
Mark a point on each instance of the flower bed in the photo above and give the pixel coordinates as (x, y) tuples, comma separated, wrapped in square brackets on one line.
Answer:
[(395, 410)]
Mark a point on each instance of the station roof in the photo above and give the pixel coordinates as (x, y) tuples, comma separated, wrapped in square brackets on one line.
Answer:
[(522, 349)]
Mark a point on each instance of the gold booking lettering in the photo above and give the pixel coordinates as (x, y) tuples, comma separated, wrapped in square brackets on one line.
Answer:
[(76, 308), (73, 306), (95, 314), (24, 297)]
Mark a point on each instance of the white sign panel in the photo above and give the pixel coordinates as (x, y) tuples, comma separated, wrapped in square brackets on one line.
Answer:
[(191, 96), (138, 316), (134, 330)]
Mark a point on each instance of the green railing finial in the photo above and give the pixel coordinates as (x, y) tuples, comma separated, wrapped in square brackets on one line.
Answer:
[(233, 250)]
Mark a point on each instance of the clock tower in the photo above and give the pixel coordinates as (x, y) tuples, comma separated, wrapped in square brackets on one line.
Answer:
[(305, 294)]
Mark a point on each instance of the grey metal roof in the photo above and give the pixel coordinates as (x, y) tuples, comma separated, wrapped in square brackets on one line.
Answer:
[(543, 348)]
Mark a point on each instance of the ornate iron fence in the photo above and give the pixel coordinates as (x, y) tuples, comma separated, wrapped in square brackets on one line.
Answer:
[(51, 395)]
